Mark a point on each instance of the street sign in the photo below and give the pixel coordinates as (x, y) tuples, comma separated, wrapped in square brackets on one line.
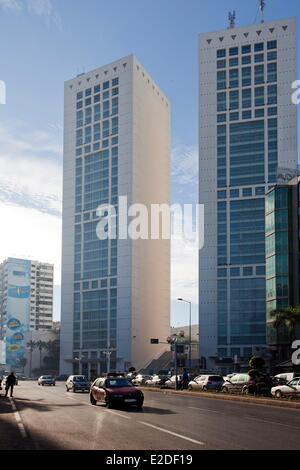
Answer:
[(154, 341)]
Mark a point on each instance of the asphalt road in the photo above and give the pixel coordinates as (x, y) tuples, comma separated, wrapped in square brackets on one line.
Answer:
[(49, 418)]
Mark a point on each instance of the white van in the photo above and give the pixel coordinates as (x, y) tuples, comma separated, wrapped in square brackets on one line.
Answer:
[(288, 376)]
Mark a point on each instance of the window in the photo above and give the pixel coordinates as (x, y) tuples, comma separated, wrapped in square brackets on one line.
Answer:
[(246, 98), (272, 94), (234, 51), (79, 118), (94, 284), (233, 78), (105, 85), (247, 114), (235, 193), (79, 95), (88, 101), (260, 191), (88, 116), (88, 92), (234, 116), (79, 105), (234, 100), (259, 74), (272, 112), (222, 195), (247, 192), (259, 47), (221, 53), (105, 95), (221, 80), (272, 45), (246, 76), (259, 113), (115, 81), (248, 271), (234, 62), (97, 132), (221, 102), (246, 49), (97, 112), (234, 272), (115, 91), (97, 99), (272, 55), (221, 64), (221, 118), (260, 96), (97, 89), (259, 58), (272, 72), (246, 60)]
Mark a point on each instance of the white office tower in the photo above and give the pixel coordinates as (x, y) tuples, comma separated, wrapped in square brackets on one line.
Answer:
[(248, 128), (115, 292)]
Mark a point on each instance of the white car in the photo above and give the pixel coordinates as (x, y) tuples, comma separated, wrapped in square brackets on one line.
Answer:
[(46, 380), (292, 388)]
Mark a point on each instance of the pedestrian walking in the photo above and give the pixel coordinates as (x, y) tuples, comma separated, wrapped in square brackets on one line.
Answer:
[(10, 383), (185, 380)]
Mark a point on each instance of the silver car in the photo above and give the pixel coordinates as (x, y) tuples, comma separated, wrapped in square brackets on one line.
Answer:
[(46, 380), (291, 389), (78, 383), (206, 382)]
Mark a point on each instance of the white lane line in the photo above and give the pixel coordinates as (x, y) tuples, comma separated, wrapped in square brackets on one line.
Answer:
[(180, 436), (118, 414), (272, 422), (18, 419), (203, 409)]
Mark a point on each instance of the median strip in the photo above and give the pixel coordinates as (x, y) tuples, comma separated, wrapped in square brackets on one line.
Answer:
[(18, 419)]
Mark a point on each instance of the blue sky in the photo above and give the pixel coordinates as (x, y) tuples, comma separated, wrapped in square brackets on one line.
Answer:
[(44, 43)]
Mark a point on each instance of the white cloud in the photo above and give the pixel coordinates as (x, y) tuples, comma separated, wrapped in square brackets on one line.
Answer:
[(30, 195), (14, 5), (184, 270), (41, 8), (185, 165)]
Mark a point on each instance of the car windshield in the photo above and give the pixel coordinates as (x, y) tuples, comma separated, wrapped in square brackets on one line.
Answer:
[(117, 383), (47, 377), (215, 378), (80, 378)]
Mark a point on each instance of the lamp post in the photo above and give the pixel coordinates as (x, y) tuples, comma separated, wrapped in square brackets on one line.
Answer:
[(190, 332)]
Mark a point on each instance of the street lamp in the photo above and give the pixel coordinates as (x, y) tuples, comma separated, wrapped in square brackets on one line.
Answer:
[(190, 332)]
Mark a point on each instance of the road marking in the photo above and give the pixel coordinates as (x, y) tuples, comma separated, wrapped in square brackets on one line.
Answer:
[(118, 414), (18, 419), (272, 422), (203, 409), (172, 433)]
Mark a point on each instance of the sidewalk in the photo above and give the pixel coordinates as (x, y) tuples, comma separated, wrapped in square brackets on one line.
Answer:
[(230, 397), (9, 431)]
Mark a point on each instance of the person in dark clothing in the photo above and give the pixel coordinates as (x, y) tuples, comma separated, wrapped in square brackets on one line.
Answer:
[(185, 380), (10, 383)]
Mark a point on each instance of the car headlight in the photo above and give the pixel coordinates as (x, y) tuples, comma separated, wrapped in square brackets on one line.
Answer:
[(117, 396)]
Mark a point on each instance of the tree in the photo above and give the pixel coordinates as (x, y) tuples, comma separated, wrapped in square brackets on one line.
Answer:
[(23, 363), (288, 317), (40, 345), (31, 345), (257, 362)]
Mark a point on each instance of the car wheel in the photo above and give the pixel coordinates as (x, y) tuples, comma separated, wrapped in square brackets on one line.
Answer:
[(190, 387), (67, 389), (225, 390), (74, 390), (92, 400), (140, 406), (204, 389), (109, 404), (278, 394)]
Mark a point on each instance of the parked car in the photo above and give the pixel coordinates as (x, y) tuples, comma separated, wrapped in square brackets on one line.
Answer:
[(46, 380), (286, 377), (61, 378), (78, 383), (113, 391), (170, 383), (236, 384), (156, 381), (206, 382), (141, 379), (290, 389)]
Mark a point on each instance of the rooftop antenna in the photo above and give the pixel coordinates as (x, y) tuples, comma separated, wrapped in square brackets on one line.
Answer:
[(231, 18), (262, 6)]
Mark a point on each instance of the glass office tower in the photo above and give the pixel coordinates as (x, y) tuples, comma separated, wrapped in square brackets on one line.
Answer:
[(247, 129), (115, 292)]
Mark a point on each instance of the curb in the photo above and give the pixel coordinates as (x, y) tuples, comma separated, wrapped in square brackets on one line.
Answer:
[(236, 398)]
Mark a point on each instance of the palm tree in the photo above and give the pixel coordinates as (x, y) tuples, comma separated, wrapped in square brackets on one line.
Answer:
[(288, 317), (40, 345), (31, 345)]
